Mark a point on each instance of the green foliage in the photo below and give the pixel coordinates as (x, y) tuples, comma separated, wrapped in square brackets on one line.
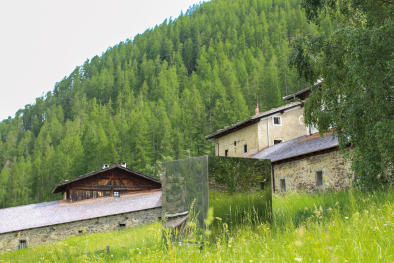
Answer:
[(356, 62), (331, 227), (157, 95)]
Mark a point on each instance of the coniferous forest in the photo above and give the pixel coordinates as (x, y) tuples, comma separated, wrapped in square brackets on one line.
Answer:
[(155, 97)]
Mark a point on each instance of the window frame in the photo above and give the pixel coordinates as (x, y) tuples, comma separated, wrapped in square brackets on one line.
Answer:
[(282, 184), (23, 241), (280, 120), (278, 141), (316, 178)]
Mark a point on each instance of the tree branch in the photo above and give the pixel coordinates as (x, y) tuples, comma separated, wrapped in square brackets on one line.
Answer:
[(386, 1)]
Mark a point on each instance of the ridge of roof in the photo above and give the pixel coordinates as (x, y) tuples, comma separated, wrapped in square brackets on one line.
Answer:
[(254, 119), (102, 170)]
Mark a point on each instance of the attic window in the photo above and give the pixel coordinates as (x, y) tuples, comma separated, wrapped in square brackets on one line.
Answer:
[(319, 178), (245, 148), (22, 244), (226, 153), (277, 121), (116, 193), (283, 185), (277, 141)]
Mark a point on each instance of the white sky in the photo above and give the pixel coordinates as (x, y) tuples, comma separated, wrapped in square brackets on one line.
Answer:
[(42, 41)]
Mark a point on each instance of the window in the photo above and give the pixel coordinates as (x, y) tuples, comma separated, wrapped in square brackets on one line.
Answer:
[(319, 178), (277, 141), (122, 225), (22, 244), (245, 148), (226, 153), (283, 185), (277, 121), (116, 193)]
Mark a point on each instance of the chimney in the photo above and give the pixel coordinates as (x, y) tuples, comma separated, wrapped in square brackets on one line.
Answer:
[(123, 164), (256, 111), (105, 166)]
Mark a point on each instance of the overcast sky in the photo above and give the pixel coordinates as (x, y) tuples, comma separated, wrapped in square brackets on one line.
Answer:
[(42, 41)]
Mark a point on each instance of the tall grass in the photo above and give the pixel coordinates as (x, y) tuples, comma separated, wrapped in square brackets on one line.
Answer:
[(243, 208), (346, 226)]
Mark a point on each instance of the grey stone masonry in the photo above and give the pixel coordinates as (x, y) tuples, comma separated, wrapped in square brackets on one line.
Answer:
[(48, 234)]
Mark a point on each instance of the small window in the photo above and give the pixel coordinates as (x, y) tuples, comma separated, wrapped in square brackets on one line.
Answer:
[(22, 244), (235, 143), (277, 121), (245, 148), (80, 232), (116, 193), (122, 225), (277, 141), (226, 153), (319, 178), (283, 185)]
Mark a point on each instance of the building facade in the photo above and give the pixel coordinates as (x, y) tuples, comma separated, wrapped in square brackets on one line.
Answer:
[(246, 138), (109, 199), (308, 163)]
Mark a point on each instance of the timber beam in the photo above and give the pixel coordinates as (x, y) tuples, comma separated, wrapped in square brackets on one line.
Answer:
[(114, 187)]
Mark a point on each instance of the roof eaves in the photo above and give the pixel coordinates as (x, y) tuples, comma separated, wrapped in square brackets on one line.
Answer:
[(322, 149), (101, 170), (253, 118), (291, 96)]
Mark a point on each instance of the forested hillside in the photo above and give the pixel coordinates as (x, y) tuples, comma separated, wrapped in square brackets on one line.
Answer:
[(155, 96)]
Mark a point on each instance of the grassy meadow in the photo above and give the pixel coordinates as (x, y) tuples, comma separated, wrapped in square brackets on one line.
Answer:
[(345, 226)]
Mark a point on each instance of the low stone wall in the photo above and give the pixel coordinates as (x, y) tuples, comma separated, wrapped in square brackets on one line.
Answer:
[(48, 234), (301, 174)]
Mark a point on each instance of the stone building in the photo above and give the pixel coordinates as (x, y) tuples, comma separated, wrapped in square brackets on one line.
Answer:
[(246, 138), (109, 199), (309, 163)]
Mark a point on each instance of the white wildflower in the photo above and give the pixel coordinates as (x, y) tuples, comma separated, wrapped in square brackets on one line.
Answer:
[(346, 217), (298, 259)]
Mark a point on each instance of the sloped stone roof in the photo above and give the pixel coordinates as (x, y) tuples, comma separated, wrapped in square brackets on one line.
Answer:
[(59, 212), (303, 93), (299, 146)]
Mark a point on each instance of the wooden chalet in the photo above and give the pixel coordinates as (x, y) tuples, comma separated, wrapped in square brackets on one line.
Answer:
[(113, 180)]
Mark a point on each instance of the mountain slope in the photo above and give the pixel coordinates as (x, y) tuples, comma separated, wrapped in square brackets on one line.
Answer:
[(155, 96)]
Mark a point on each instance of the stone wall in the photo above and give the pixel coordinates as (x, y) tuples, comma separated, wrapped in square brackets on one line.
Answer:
[(45, 235), (301, 174)]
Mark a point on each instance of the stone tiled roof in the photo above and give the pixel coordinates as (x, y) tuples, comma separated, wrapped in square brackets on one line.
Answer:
[(298, 146), (62, 185), (253, 119), (298, 93), (59, 212)]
